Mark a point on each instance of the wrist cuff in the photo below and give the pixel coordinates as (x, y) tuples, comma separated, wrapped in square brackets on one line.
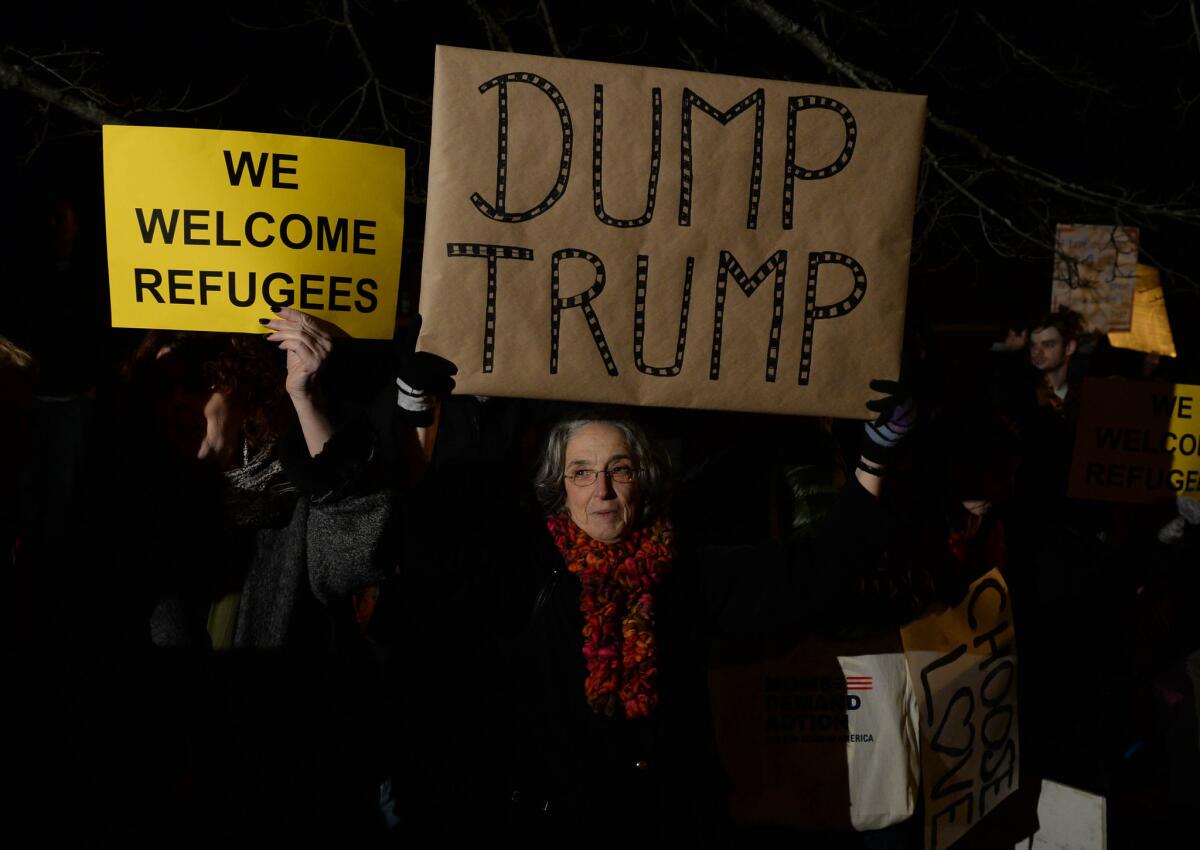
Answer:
[(413, 400), (877, 471)]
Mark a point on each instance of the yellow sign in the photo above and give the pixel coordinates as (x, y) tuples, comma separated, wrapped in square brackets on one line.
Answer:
[(1136, 442), (209, 229)]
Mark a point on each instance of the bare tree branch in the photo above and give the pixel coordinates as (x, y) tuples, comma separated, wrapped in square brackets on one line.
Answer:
[(550, 28), (179, 107), (941, 43), (1195, 22), (1033, 61), (496, 36), (702, 14), (788, 28), (980, 204), (695, 60), (76, 85), (372, 82), (1116, 203), (13, 77)]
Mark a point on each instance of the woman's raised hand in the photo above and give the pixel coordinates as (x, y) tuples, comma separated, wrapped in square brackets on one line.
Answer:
[(307, 341)]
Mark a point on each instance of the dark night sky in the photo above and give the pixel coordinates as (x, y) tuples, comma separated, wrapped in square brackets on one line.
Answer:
[(1090, 97)]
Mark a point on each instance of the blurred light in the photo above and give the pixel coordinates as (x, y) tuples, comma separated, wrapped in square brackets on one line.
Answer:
[(1150, 330)]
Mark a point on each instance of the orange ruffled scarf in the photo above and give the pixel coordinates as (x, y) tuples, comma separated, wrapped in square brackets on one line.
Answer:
[(617, 600)]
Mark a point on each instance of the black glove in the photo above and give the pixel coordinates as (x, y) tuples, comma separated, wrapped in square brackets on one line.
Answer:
[(881, 437), (422, 378)]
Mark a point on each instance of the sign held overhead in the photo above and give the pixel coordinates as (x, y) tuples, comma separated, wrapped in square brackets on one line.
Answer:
[(602, 232), (209, 229)]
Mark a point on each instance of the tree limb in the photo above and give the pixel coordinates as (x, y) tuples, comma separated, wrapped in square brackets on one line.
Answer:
[(13, 77), (1120, 204), (496, 36), (550, 28)]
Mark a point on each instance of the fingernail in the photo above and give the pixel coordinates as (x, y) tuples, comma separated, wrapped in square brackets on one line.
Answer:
[(263, 321), (274, 309)]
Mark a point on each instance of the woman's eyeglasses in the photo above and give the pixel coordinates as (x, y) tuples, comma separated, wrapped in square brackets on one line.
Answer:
[(587, 477)]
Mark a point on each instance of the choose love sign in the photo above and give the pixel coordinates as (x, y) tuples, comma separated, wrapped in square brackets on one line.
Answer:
[(209, 229), (610, 233), (963, 664)]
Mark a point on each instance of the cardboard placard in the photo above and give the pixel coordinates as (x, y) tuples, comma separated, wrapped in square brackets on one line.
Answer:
[(1136, 441), (1094, 272), (1150, 330), (609, 233), (963, 664), (208, 229)]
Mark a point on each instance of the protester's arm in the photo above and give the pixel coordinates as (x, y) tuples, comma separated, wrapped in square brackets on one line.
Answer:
[(346, 504), (422, 380), (326, 463), (871, 482), (816, 580), (790, 584), (308, 341), (883, 435)]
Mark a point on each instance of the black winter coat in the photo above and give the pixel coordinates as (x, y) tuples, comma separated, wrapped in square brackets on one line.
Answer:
[(511, 747)]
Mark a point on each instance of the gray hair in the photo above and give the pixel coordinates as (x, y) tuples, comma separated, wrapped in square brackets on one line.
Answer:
[(653, 465)]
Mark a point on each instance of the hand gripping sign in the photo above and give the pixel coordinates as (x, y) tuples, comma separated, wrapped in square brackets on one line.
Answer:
[(602, 232), (209, 229)]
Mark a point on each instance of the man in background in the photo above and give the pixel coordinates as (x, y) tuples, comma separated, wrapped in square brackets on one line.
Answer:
[(1053, 341)]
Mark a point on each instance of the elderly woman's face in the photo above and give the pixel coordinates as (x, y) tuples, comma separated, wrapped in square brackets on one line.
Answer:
[(605, 509)]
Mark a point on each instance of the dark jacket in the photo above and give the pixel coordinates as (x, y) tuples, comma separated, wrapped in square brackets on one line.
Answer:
[(543, 767), (294, 554), (182, 746)]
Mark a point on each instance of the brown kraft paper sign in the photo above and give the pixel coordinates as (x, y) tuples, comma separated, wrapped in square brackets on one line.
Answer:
[(610, 233)]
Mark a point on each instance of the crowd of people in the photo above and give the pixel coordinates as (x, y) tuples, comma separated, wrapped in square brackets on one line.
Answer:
[(292, 587)]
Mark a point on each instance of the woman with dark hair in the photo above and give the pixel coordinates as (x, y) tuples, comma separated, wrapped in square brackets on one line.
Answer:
[(604, 619), (287, 518), (237, 513)]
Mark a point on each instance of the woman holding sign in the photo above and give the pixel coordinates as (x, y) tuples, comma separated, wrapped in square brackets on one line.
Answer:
[(242, 517), (605, 632), (268, 481)]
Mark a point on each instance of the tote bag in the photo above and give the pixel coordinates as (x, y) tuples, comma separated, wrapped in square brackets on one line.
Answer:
[(817, 734)]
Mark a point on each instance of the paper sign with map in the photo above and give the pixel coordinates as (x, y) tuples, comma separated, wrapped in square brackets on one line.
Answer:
[(1094, 270)]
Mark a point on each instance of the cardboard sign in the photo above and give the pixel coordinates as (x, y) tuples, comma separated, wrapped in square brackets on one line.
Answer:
[(1150, 330), (208, 229), (963, 665), (1136, 441), (611, 233), (1094, 271)]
